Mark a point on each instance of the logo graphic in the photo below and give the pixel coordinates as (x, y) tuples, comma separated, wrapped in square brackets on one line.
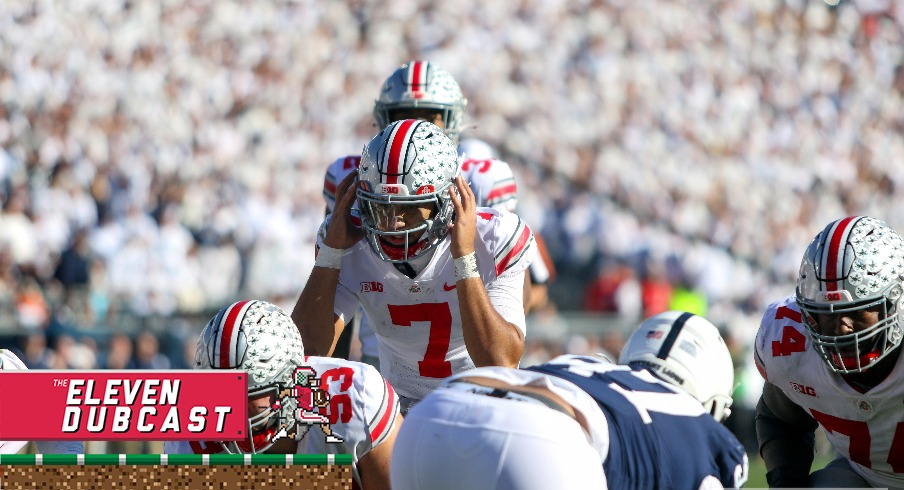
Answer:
[(371, 287), (654, 334), (447, 287), (802, 389), (307, 396)]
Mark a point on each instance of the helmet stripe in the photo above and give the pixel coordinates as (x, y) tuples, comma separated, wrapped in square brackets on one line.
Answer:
[(670, 339), (834, 259), (398, 143), (417, 75), (229, 334)]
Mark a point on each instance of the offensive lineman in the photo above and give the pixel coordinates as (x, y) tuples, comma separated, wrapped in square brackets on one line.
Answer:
[(363, 409)]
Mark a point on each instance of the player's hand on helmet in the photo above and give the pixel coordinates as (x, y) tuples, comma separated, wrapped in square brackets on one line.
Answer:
[(464, 228), (342, 233)]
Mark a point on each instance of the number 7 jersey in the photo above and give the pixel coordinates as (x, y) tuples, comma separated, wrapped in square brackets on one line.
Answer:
[(866, 428), (417, 320)]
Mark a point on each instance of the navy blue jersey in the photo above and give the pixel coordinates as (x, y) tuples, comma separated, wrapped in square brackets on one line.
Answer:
[(660, 437)]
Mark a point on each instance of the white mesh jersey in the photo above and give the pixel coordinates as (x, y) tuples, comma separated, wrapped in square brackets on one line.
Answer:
[(866, 428), (418, 321), (569, 392), (363, 410), (661, 436), (11, 362), (494, 186), (492, 181), (335, 173)]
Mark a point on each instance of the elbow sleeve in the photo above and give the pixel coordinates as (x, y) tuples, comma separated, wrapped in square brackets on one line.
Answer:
[(786, 448)]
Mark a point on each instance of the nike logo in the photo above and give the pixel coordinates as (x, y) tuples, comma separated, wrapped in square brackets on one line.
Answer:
[(447, 287)]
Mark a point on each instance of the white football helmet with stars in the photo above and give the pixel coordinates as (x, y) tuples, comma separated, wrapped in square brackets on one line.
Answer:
[(410, 162), (855, 263), (259, 338), (422, 85)]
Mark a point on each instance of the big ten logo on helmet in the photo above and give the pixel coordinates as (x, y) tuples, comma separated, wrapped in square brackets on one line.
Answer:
[(835, 296), (371, 287), (802, 389), (390, 189)]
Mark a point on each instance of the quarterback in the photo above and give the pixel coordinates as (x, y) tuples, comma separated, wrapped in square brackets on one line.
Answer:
[(418, 89), (440, 280)]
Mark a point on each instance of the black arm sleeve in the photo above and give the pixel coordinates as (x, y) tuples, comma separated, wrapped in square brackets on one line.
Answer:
[(785, 433)]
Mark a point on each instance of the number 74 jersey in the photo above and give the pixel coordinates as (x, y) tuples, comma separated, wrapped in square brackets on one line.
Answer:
[(866, 428)]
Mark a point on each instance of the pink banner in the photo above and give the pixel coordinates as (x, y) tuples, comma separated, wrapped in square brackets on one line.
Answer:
[(123, 405)]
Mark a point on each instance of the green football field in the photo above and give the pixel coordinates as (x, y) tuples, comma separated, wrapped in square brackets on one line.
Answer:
[(757, 477)]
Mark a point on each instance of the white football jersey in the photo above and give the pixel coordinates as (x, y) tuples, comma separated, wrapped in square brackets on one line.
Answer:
[(492, 181), (569, 392), (335, 173), (418, 321), (494, 187), (866, 428), (363, 410), (661, 436), (11, 362)]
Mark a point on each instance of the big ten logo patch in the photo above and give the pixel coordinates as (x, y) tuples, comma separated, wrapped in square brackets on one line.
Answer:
[(371, 287), (802, 389)]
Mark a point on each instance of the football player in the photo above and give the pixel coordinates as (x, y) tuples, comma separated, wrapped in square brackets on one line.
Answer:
[(419, 90), (831, 357), (653, 421), (361, 408), (441, 281), (11, 362), (493, 183)]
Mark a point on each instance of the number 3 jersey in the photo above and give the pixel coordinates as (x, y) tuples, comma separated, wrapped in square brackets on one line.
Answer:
[(867, 428), (417, 320), (362, 410)]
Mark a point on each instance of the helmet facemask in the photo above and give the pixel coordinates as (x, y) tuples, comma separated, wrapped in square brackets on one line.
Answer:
[(377, 217), (857, 351), (262, 427)]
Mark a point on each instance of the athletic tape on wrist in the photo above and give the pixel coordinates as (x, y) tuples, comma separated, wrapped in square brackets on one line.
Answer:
[(329, 257), (466, 266)]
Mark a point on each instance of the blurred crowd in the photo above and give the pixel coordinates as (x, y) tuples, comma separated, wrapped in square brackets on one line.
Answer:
[(161, 158)]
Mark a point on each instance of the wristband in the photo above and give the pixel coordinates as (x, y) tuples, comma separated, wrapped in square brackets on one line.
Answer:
[(466, 267), (329, 257)]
